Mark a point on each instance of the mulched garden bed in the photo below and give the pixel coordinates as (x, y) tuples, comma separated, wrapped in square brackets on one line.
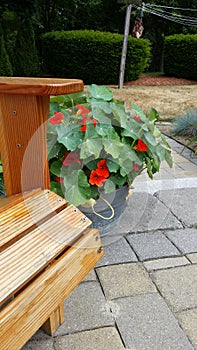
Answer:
[(160, 80)]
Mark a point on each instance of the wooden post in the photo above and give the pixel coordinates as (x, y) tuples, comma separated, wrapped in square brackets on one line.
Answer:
[(124, 48), (24, 109)]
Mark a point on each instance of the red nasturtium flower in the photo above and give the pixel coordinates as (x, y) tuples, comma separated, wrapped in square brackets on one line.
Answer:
[(83, 112), (137, 117), (59, 179), (136, 167), (57, 118), (98, 176), (84, 121), (70, 158), (83, 128), (82, 109), (141, 146), (102, 169), (94, 121), (95, 179)]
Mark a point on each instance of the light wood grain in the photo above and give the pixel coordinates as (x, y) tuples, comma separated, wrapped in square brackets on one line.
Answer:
[(23, 123), (55, 320), (27, 212), (24, 110), (25, 258), (8, 202), (39, 86), (33, 306), (47, 248)]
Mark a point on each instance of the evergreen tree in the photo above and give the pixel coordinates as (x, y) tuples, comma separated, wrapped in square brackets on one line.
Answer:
[(25, 59), (5, 65)]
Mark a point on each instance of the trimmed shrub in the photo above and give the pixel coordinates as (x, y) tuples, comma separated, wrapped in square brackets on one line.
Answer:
[(93, 56), (180, 56)]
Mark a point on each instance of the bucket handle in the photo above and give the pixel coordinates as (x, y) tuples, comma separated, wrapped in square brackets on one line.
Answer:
[(109, 205)]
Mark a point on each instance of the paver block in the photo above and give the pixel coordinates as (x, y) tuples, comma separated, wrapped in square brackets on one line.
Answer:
[(184, 153), (180, 172), (182, 202), (165, 263), (46, 344), (85, 309), (152, 245), (124, 280), (91, 276), (185, 240), (145, 212), (119, 251), (98, 339), (178, 286), (192, 258), (189, 167), (188, 321), (146, 323)]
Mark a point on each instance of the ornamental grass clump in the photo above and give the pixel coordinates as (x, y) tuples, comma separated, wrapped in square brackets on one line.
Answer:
[(95, 143), (186, 126)]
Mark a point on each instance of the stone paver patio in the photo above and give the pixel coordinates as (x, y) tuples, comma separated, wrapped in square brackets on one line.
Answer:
[(143, 294)]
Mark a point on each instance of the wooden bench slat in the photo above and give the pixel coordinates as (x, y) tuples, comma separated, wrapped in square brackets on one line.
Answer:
[(32, 253), (8, 202), (29, 212), (31, 308)]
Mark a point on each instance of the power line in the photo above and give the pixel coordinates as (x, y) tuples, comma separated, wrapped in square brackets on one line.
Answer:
[(170, 7), (165, 13), (174, 17), (184, 20), (171, 13)]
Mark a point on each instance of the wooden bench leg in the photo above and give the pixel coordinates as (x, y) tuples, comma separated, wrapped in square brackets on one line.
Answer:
[(55, 320)]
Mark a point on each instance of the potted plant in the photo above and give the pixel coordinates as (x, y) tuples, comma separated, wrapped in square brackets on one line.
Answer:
[(97, 147)]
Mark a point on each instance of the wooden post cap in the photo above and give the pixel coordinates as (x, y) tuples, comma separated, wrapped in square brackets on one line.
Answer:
[(39, 86)]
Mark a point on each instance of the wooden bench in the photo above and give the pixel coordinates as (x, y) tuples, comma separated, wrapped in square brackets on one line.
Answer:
[(46, 247)]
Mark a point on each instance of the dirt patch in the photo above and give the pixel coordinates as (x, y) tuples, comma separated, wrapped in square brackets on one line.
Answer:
[(170, 96), (169, 101)]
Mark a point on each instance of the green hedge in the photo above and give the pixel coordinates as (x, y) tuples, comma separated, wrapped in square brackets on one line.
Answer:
[(93, 56), (180, 56)]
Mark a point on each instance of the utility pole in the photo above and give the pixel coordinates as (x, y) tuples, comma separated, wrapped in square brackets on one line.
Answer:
[(126, 34), (124, 48)]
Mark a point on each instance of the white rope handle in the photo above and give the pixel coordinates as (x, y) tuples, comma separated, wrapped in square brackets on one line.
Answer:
[(109, 205)]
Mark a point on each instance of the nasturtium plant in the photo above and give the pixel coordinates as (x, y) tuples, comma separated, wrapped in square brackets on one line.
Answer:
[(95, 142)]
